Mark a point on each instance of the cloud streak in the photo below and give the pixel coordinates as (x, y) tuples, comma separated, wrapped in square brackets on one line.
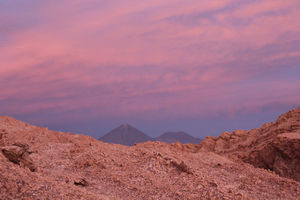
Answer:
[(143, 59)]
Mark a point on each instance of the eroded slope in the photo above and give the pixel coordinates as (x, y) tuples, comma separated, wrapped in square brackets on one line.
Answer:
[(274, 146), (43, 164)]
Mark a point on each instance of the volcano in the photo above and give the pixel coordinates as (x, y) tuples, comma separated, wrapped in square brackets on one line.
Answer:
[(125, 135)]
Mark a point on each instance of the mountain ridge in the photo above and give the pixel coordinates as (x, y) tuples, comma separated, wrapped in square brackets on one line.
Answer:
[(177, 136), (127, 134)]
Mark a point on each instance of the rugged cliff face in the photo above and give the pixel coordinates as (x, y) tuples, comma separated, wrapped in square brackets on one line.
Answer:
[(274, 146), (36, 163)]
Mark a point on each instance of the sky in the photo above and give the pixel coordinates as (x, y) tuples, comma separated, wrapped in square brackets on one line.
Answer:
[(200, 66)]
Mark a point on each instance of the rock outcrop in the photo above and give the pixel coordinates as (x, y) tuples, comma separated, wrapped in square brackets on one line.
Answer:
[(274, 146), (20, 155)]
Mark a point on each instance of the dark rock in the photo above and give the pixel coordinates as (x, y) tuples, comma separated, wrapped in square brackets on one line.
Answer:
[(182, 167), (19, 154), (81, 182)]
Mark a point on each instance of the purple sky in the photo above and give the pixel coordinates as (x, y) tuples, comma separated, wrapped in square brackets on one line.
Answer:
[(204, 67)]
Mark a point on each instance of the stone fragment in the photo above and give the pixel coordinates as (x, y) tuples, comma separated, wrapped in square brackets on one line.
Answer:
[(20, 155), (80, 182)]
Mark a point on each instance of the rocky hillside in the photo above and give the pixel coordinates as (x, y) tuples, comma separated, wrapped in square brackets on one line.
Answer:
[(36, 163), (274, 146)]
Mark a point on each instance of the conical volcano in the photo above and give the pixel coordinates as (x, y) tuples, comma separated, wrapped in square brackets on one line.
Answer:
[(125, 135)]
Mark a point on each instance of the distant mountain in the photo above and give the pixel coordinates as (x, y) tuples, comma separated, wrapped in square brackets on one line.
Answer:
[(125, 135), (182, 137)]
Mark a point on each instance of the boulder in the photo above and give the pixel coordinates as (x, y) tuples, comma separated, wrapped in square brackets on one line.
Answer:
[(19, 154)]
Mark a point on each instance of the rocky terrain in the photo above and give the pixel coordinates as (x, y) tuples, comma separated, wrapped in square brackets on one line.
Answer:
[(36, 163), (274, 146)]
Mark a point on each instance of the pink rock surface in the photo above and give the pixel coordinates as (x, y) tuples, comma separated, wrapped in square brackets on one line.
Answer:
[(70, 166), (274, 146)]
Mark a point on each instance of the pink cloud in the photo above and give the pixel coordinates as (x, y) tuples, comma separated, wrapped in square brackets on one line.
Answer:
[(130, 58)]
